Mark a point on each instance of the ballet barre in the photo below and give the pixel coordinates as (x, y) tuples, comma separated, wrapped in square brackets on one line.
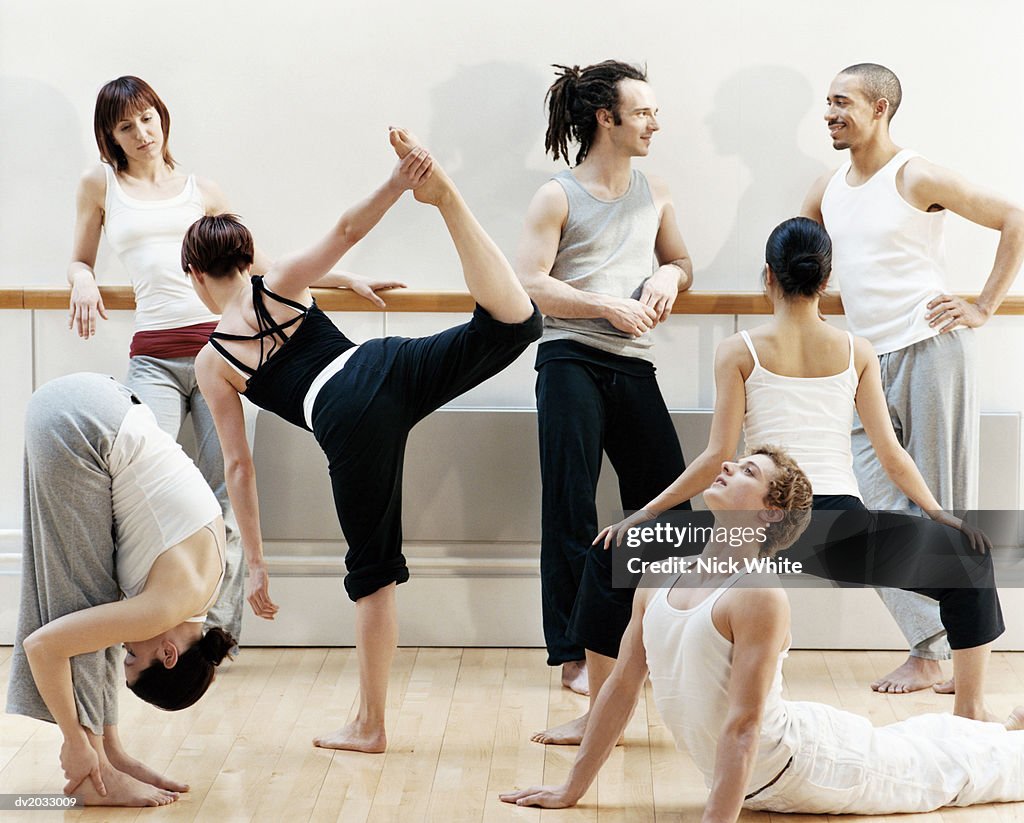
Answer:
[(407, 300)]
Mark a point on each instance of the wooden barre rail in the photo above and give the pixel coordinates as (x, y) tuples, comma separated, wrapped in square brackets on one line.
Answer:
[(404, 300)]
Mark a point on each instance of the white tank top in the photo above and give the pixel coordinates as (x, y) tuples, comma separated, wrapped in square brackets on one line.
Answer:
[(146, 235), (809, 417), (888, 257), (158, 496), (690, 665)]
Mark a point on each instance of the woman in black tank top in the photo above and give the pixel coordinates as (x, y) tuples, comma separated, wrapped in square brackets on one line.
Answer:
[(278, 349)]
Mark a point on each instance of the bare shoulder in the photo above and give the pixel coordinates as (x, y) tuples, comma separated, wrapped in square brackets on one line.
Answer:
[(92, 185), (214, 199), (863, 352), (812, 200), (660, 190), (732, 351), (754, 606), (550, 201)]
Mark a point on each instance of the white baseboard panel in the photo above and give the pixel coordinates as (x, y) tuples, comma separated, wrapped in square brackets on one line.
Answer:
[(490, 601)]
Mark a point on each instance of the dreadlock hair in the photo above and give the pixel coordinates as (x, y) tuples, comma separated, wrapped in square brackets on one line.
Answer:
[(574, 99)]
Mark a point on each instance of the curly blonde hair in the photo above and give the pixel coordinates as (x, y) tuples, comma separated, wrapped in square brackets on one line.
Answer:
[(788, 490)]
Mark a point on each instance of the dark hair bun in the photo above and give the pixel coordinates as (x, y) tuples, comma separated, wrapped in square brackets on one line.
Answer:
[(216, 644), (799, 253)]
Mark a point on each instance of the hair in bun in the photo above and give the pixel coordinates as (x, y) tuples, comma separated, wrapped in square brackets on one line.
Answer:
[(799, 253)]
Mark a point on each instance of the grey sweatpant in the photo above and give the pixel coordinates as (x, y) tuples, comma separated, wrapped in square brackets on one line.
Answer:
[(68, 559), (930, 391)]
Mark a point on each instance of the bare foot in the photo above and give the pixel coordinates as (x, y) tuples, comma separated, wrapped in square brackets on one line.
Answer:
[(355, 737), (122, 790), (1015, 722), (140, 771), (568, 734), (438, 187), (946, 687), (574, 677), (915, 674)]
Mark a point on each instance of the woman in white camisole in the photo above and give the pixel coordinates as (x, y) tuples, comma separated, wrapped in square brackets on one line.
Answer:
[(124, 544), (795, 382)]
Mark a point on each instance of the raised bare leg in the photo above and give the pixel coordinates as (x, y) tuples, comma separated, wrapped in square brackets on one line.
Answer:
[(124, 762), (574, 677), (599, 667), (915, 674), (122, 789), (488, 275), (376, 639), (969, 669)]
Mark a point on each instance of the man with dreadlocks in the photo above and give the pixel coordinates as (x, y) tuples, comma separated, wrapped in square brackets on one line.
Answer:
[(586, 258)]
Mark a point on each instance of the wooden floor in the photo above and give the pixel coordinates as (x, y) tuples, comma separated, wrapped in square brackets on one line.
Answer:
[(459, 721)]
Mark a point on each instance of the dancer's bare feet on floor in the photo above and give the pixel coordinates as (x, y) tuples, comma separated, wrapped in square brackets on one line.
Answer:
[(122, 790), (140, 771), (568, 734), (915, 674), (438, 187), (574, 677), (355, 737), (1015, 722), (945, 687)]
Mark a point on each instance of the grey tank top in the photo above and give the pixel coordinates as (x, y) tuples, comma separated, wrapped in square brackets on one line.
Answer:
[(607, 247)]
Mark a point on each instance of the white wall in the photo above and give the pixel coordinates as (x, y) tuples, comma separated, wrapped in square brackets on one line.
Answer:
[(286, 107)]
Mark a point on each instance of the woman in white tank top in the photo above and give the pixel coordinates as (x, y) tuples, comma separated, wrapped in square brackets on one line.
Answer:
[(795, 382), (124, 544)]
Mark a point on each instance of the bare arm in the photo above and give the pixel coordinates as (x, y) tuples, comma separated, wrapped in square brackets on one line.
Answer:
[(535, 258), (222, 396), (86, 302), (758, 621), (811, 206), (726, 427), (675, 271), (365, 287), (925, 185), (608, 719), (49, 650), (291, 275)]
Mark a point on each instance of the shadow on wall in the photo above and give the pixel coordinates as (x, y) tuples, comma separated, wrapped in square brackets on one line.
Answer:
[(757, 116), (485, 122), (41, 159)]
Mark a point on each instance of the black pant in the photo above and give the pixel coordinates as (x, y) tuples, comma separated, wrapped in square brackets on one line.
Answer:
[(582, 410), (362, 419), (847, 543)]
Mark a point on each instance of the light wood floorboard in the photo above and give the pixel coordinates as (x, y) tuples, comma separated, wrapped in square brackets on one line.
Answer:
[(459, 724)]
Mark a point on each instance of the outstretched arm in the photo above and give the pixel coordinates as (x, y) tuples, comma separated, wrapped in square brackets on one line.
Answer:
[(758, 622), (927, 186), (726, 427), (293, 274), (222, 396), (608, 719), (898, 464)]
